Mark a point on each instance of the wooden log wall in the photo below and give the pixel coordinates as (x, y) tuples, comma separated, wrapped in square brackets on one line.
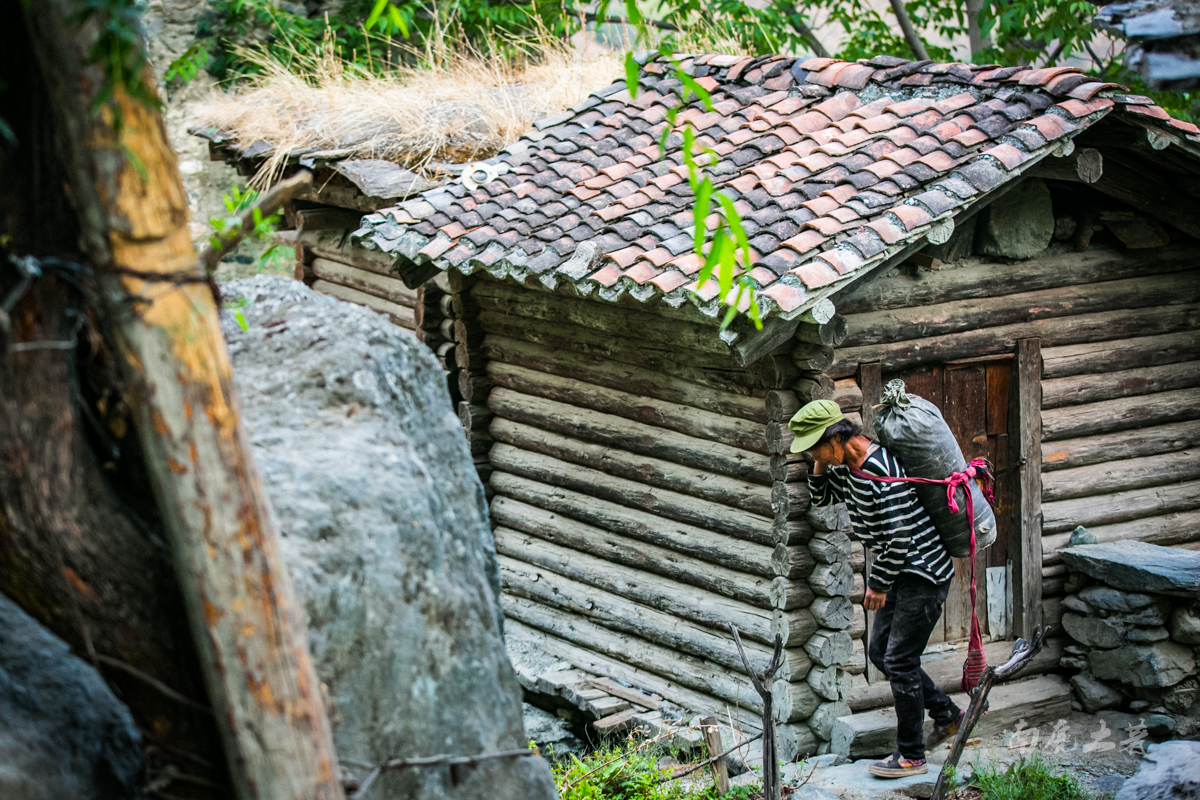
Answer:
[(639, 505), (1119, 334)]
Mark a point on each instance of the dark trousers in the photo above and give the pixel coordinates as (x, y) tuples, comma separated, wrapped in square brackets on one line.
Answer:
[(901, 631)]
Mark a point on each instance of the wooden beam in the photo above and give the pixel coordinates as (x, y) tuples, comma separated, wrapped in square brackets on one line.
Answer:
[(752, 345), (1025, 549), (1149, 193), (870, 382), (1085, 165)]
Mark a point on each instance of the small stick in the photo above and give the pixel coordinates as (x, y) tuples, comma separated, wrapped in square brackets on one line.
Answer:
[(267, 204), (771, 785), (707, 761), (153, 683)]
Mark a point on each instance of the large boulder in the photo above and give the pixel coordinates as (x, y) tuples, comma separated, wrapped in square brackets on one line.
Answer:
[(1157, 665), (63, 734), (1018, 225), (385, 533), (1168, 772), (1138, 566)]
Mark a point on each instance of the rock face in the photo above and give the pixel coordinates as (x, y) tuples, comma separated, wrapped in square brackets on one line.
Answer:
[(1138, 566), (385, 533), (1018, 225), (1156, 665), (62, 731), (1168, 772), (1093, 695), (1185, 625)]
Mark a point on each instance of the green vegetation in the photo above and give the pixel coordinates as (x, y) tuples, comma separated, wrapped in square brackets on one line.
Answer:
[(631, 772), (1028, 779), (275, 258)]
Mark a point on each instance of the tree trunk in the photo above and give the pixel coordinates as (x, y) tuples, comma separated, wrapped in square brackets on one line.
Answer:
[(247, 625)]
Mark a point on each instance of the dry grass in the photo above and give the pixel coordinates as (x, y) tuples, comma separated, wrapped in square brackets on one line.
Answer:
[(460, 105)]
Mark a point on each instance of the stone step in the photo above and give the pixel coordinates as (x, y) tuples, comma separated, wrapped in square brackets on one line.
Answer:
[(873, 733), (945, 669)]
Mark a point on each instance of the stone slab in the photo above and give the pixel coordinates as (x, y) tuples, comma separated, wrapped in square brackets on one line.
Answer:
[(1138, 566), (1168, 772)]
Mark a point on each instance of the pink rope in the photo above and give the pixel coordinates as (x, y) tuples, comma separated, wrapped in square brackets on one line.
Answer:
[(978, 469)]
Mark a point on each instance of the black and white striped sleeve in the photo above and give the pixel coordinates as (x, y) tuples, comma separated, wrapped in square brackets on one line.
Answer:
[(824, 490)]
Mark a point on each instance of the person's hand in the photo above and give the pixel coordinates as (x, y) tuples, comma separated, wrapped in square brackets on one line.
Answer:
[(873, 600)]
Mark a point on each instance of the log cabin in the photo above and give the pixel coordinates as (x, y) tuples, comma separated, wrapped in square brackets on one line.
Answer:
[(1019, 245)]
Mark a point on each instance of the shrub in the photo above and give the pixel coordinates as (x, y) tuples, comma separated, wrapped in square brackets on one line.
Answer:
[(1028, 779)]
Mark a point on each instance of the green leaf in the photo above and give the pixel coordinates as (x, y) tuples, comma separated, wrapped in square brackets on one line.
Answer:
[(398, 20), (689, 84), (631, 75), (241, 320), (632, 13), (376, 12), (735, 224), (700, 213)]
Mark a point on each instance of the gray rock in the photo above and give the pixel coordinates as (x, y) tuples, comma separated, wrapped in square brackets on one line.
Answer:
[(1160, 726), (1139, 705), (1185, 625), (1094, 695), (551, 732), (1167, 772), (855, 778), (63, 734), (1073, 662), (1110, 599), (385, 533), (1077, 604), (1081, 535), (1182, 696), (1160, 664), (1138, 566), (1155, 634), (1093, 631), (1107, 785), (1019, 224), (1153, 616)]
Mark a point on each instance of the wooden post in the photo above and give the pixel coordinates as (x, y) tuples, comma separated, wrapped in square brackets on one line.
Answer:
[(870, 381), (132, 210), (1026, 548), (720, 770)]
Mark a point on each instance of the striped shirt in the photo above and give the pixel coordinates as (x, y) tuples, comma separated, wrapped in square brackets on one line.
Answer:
[(888, 518)]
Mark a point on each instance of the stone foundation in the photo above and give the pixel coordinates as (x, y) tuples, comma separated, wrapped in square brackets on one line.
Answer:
[(1133, 613)]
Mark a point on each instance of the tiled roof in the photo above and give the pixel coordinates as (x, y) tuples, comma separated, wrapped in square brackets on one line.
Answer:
[(834, 167)]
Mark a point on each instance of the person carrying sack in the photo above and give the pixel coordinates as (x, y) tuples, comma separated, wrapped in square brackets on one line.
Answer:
[(908, 581)]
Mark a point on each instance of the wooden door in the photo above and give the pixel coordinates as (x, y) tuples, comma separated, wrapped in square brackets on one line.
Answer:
[(973, 396)]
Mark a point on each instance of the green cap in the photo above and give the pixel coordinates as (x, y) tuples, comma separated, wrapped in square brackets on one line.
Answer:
[(811, 421)]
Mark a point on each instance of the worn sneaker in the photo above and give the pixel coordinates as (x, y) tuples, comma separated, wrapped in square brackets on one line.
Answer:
[(941, 733), (897, 766)]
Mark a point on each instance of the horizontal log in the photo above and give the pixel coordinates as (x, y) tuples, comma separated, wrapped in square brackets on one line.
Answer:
[(825, 717), (858, 623), (474, 417), (848, 395), (631, 553), (695, 483), (1118, 354), (858, 589), (906, 289), (791, 561), (834, 613), (788, 467), (694, 673), (517, 301), (634, 494), (445, 304), (684, 600), (1118, 476), (857, 665), (830, 547), (829, 648), (1065, 515), (793, 702), (782, 404), (473, 385), (789, 500), (1167, 530), (779, 438), (787, 594), (1085, 165), (791, 531), (1123, 413), (811, 357), (650, 411), (715, 548), (1053, 332), (398, 314), (634, 437), (690, 388), (831, 580), (793, 629), (1135, 443), (858, 556), (658, 355), (813, 386), (830, 683), (327, 219), (390, 289), (833, 517), (830, 334), (1079, 389), (621, 670), (336, 246), (626, 616), (945, 318)]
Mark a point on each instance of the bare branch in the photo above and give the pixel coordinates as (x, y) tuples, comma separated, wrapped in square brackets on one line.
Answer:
[(910, 33), (705, 763)]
